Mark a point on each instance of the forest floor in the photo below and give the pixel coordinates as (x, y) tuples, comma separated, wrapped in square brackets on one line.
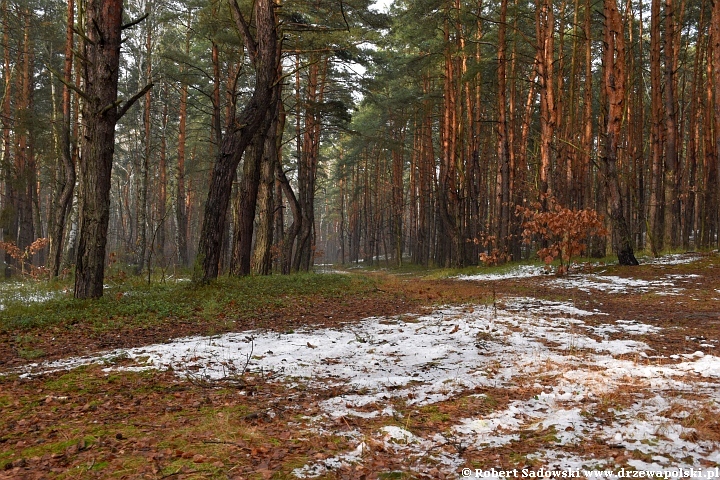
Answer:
[(384, 374)]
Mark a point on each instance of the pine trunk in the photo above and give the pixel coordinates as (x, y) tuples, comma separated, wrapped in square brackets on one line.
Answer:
[(614, 85), (100, 114)]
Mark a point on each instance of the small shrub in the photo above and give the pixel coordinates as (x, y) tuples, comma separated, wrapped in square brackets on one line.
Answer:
[(493, 257), (27, 269), (566, 231)]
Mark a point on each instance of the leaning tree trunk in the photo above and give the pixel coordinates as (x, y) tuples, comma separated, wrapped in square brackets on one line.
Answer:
[(101, 111), (254, 181), (264, 55), (247, 202), (614, 84)]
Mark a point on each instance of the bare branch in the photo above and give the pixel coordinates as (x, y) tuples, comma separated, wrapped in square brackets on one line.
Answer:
[(244, 28), (110, 106), (71, 86), (123, 110), (134, 22), (82, 34), (342, 11)]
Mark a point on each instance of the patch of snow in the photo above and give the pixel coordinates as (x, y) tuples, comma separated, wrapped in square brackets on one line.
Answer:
[(521, 271), (615, 284), (332, 463), (674, 259), (631, 327), (396, 434), (25, 293)]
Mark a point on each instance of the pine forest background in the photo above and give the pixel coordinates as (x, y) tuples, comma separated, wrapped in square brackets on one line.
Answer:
[(271, 136)]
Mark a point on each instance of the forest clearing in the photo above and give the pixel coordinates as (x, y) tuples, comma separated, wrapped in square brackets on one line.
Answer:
[(405, 375)]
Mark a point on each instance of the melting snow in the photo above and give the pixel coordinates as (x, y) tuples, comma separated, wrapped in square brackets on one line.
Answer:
[(615, 284), (23, 292), (674, 259), (522, 271), (424, 359)]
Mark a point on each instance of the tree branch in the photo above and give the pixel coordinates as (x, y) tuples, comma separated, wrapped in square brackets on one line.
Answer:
[(342, 11), (82, 34), (71, 86), (244, 28), (134, 22), (108, 107), (123, 110), (82, 57)]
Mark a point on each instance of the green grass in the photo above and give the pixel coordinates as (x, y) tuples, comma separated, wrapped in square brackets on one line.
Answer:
[(137, 303)]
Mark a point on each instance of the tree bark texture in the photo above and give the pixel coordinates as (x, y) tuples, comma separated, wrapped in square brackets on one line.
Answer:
[(100, 114), (614, 84), (236, 141), (261, 262)]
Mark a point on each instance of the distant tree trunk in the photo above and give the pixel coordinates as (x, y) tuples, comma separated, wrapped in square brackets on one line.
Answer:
[(503, 146), (587, 134), (398, 164), (655, 230), (181, 219), (447, 193), (101, 48), (614, 85), (709, 201), (688, 213), (142, 182), (545, 33), (307, 164), (264, 54), (517, 170), (25, 170), (159, 247), (8, 216), (216, 125), (671, 223), (63, 194), (426, 165), (279, 234)]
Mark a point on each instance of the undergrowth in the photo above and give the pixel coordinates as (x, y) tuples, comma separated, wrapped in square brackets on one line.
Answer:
[(134, 302)]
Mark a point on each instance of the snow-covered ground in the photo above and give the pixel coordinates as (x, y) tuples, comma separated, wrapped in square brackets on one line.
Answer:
[(521, 271), (529, 271), (576, 365), (673, 259)]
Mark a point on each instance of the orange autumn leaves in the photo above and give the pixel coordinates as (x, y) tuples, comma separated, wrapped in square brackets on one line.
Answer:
[(565, 232)]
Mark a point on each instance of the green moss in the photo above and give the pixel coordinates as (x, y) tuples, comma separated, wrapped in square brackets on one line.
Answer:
[(31, 353)]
